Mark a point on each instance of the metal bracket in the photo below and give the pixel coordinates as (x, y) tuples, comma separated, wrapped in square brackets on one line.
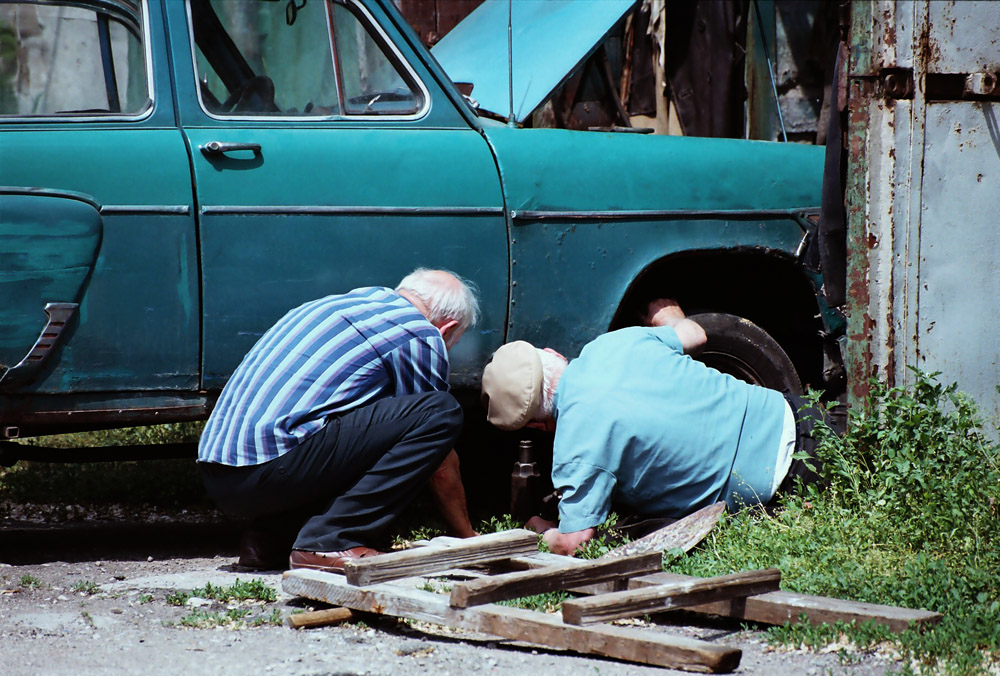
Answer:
[(28, 368)]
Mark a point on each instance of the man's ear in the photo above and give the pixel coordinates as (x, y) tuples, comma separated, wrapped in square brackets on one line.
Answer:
[(449, 331)]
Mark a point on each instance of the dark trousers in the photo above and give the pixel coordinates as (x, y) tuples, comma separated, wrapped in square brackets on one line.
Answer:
[(342, 487)]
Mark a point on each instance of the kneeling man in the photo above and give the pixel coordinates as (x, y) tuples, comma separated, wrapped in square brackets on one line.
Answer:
[(336, 418), (638, 420)]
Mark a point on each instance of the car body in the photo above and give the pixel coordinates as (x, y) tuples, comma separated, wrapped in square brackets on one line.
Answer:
[(221, 162)]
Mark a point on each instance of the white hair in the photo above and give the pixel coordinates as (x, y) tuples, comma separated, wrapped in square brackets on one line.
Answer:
[(445, 295), (552, 369)]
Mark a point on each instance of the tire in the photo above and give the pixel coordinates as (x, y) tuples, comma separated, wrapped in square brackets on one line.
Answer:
[(742, 349)]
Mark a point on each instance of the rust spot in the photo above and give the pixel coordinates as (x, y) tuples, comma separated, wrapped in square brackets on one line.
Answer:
[(872, 241)]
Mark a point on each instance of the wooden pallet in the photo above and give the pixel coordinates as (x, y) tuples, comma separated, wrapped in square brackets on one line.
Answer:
[(624, 584)]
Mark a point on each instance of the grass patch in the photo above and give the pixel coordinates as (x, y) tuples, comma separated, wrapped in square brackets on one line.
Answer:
[(145, 598), (550, 602), (909, 518)]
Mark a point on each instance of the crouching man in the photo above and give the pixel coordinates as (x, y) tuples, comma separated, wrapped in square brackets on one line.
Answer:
[(637, 420), (336, 418)]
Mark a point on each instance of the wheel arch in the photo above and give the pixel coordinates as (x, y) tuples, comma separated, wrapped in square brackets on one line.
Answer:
[(769, 288)]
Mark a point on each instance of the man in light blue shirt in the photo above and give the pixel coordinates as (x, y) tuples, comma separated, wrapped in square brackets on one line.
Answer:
[(637, 420)]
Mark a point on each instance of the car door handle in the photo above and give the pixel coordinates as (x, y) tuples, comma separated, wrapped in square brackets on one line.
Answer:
[(215, 148)]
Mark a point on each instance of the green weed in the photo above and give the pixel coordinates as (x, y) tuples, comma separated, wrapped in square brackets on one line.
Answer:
[(496, 524), (85, 587), (177, 598), (254, 590), (550, 602), (145, 598), (909, 518), (233, 618), (29, 582)]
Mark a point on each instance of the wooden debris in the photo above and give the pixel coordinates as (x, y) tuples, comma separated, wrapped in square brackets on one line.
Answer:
[(319, 618), (431, 559), (683, 534), (493, 588), (676, 594), (778, 607), (625, 643)]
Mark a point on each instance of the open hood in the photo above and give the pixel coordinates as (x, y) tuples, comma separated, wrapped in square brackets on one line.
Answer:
[(550, 39)]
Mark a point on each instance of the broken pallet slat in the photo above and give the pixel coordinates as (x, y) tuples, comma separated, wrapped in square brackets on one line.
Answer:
[(626, 643), (319, 618), (550, 578), (779, 607), (425, 560), (676, 594), (683, 534)]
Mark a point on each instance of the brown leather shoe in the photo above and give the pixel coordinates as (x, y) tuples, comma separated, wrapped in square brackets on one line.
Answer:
[(331, 562)]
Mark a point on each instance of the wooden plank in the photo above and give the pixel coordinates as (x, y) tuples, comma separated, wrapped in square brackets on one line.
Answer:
[(319, 618), (683, 534), (432, 559), (779, 607), (551, 578), (677, 594), (625, 643)]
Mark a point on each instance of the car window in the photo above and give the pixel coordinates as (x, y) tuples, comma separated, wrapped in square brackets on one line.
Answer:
[(372, 84), (69, 59), (290, 59)]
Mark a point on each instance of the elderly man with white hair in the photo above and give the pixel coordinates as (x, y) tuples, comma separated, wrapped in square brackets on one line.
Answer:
[(640, 422), (336, 418)]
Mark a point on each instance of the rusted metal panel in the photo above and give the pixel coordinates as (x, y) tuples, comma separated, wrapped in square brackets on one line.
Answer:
[(963, 37), (923, 176), (959, 270)]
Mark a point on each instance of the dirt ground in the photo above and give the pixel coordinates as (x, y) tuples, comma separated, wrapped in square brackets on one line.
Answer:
[(94, 598)]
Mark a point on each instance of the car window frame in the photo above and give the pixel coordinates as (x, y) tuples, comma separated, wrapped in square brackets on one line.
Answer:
[(381, 37), (145, 35)]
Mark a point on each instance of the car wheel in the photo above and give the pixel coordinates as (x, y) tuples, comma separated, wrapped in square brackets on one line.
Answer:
[(742, 349)]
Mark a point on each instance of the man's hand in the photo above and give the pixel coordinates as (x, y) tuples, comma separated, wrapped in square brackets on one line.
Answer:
[(566, 543), (663, 312), (449, 496)]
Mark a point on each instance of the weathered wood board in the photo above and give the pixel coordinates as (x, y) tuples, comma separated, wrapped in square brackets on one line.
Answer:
[(779, 607), (492, 588), (683, 534), (432, 559), (677, 594), (625, 643)]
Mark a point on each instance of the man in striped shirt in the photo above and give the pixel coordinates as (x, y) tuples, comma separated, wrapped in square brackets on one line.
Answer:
[(336, 418)]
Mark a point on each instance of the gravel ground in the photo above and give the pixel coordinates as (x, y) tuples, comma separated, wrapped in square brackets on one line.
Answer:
[(92, 598)]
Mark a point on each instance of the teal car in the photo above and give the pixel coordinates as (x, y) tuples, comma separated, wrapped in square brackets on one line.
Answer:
[(176, 174)]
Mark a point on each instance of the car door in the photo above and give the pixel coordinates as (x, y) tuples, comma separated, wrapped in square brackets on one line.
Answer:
[(96, 209), (326, 157)]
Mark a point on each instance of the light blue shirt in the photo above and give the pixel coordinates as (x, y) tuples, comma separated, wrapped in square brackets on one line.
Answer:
[(639, 421)]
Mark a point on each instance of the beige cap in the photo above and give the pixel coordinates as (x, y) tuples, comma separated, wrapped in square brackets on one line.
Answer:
[(512, 385)]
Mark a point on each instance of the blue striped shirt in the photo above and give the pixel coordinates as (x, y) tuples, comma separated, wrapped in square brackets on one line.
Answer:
[(326, 356)]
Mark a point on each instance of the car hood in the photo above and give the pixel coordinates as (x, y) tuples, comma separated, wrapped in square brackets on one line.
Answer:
[(549, 39)]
